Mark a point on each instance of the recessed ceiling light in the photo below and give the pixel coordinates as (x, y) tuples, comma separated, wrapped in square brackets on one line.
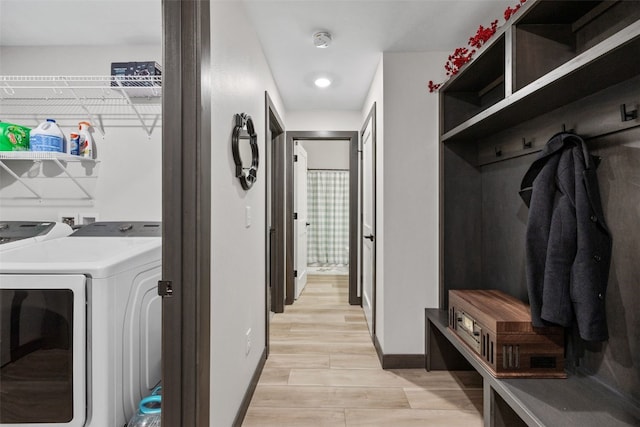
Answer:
[(322, 39), (322, 82)]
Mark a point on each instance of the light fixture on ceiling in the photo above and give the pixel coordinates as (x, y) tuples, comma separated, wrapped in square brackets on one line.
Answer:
[(322, 39), (322, 82)]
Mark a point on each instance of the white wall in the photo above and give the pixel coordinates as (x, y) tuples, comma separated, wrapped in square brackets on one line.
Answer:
[(331, 154), (240, 77), (313, 120), (410, 186), (376, 95), (126, 182)]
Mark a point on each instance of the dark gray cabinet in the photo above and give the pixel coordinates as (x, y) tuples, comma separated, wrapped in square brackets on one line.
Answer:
[(572, 65)]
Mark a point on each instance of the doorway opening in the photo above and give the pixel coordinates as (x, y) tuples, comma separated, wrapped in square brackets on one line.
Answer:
[(321, 231), (321, 210)]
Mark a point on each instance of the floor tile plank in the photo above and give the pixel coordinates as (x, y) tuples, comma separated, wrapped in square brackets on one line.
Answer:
[(407, 378), (411, 418), (329, 397), (294, 417), (288, 361), (275, 376), (355, 361), (285, 347), (467, 400)]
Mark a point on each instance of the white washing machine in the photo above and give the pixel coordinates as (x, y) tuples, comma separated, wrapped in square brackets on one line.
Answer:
[(16, 234), (81, 343)]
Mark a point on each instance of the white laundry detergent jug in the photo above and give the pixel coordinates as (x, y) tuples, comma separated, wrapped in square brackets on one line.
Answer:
[(48, 137)]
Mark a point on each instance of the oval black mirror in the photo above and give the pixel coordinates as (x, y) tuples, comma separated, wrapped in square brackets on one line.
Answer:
[(244, 144)]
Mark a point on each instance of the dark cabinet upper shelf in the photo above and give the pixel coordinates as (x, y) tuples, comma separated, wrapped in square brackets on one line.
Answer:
[(557, 52), (473, 92), (552, 33)]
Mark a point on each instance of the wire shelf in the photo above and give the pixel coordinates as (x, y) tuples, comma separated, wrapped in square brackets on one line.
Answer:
[(43, 155), (93, 97), (151, 85)]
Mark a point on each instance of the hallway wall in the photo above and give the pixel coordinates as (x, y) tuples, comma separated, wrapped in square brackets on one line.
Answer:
[(410, 188), (323, 120), (407, 197), (327, 154), (240, 77)]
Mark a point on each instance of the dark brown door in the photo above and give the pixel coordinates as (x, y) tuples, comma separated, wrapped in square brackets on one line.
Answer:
[(275, 199)]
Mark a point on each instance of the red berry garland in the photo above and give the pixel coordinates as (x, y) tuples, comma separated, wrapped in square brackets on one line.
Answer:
[(511, 11), (462, 55), (434, 86), (483, 34)]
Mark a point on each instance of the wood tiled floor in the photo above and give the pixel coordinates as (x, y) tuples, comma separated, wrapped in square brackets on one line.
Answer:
[(324, 371)]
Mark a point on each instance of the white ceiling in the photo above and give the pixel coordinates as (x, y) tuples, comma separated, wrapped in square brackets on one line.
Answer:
[(361, 30)]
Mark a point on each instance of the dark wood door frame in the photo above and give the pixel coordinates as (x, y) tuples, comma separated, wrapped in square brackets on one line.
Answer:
[(274, 226), (186, 213), (371, 117), (352, 137)]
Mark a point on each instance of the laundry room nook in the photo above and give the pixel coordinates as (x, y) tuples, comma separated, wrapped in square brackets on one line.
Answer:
[(80, 214)]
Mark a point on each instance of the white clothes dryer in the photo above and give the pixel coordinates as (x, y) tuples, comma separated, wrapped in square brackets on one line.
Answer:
[(16, 234), (81, 343)]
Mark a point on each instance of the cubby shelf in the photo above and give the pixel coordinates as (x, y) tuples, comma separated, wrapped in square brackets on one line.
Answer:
[(95, 98), (563, 80)]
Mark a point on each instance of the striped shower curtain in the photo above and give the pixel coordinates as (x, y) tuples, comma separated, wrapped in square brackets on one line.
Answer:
[(328, 212)]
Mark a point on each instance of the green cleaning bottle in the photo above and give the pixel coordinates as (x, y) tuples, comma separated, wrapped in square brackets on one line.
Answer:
[(14, 137)]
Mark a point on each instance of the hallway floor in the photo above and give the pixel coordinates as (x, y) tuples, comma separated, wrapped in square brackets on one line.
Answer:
[(331, 270), (324, 371)]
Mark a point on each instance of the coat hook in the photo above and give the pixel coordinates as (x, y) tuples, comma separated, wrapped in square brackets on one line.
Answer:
[(498, 151), (526, 144), (628, 115), (564, 129)]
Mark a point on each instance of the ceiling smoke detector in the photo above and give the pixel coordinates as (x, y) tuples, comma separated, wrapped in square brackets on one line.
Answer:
[(322, 39)]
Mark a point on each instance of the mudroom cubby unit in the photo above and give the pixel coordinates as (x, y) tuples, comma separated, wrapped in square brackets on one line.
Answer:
[(583, 76)]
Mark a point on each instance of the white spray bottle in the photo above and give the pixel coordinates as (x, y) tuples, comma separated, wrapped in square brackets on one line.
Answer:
[(87, 145)]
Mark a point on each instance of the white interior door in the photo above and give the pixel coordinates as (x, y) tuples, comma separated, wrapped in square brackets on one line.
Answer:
[(302, 222), (368, 226)]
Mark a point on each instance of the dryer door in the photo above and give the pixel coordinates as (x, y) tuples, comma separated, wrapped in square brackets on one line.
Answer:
[(42, 366)]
